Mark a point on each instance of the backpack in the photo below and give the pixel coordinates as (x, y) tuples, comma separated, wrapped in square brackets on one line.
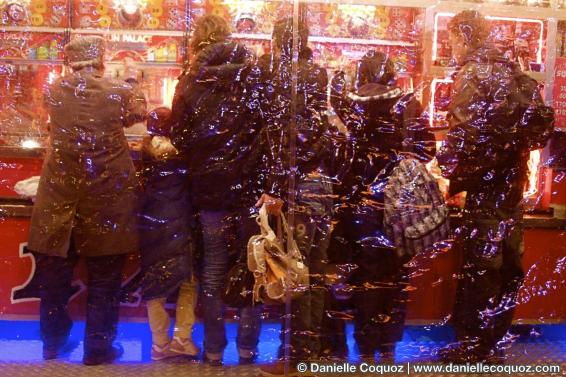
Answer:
[(276, 268), (415, 215), (536, 120)]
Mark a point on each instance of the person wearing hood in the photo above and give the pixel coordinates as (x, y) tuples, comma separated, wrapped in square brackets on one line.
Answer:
[(295, 144), (496, 116), (384, 124), (217, 139), (86, 200)]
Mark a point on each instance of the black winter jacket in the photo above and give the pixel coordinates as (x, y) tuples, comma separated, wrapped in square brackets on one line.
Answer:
[(486, 149), (382, 122), (271, 100), (165, 226), (212, 128)]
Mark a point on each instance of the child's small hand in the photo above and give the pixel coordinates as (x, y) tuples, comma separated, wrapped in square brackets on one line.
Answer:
[(161, 147)]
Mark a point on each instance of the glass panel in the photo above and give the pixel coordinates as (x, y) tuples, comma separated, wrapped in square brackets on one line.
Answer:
[(303, 185)]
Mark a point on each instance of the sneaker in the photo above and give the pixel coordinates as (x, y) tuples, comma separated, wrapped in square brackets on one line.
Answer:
[(98, 358), (184, 347), (162, 352)]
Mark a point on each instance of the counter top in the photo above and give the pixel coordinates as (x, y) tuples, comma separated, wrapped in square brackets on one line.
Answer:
[(15, 207), (19, 152)]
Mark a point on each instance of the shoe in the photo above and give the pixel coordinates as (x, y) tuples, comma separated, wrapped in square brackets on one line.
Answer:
[(496, 357), (99, 358), (331, 354), (213, 359), (461, 353), (386, 354), (162, 352), (184, 347), (247, 360), (50, 353), (247, 357), (54, 347)]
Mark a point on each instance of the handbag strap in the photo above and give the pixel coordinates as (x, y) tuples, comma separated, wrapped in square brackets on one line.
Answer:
[(263, 222)]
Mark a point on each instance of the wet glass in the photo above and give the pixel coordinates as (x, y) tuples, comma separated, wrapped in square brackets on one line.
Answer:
[(284, 184)]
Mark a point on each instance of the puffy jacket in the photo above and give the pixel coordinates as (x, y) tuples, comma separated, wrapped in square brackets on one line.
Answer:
[(492, 129), (213, 131), (165, 225), (271, 99), (382, 122)]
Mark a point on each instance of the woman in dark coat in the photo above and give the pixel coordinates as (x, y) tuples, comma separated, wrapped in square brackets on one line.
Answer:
[(216, 138), (86, 199), (382, 122)]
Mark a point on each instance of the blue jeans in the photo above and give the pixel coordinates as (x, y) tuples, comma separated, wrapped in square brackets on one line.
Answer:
[(312, 233), (220, 230)]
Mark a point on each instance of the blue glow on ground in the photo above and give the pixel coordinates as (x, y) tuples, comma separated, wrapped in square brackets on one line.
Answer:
[(20, 341)]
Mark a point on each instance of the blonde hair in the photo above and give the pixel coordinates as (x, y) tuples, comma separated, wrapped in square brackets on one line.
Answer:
[(209, 29)]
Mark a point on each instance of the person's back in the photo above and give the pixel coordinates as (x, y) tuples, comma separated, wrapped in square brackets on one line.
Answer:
[(211, 128), (382, 123), (89, 112), (496, 116), (277, 108), (484, 114), (380, 120), (86, 200)]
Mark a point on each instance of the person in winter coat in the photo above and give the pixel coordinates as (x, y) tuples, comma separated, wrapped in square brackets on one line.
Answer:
[(303, 157), (496, 116), (384, 125), (166, 242), (218, 142), (86, 200)]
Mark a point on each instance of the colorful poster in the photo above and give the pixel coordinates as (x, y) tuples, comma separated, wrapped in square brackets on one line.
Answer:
[(559, 92)]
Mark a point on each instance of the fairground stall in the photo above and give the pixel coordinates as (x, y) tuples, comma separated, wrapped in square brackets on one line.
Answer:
[(148, 40)]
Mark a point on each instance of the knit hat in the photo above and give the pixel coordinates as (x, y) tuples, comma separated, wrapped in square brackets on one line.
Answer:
[(158, 122), (85, 52), (375, 67)]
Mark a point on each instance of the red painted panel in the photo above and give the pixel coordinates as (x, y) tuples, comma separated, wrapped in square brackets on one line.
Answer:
[(432, 286), (15, 170)]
